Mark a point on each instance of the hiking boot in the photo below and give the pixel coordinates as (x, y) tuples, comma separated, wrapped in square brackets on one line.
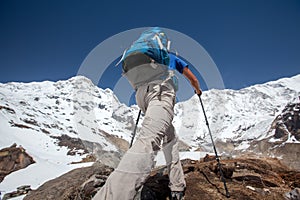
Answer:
[(175, 195)]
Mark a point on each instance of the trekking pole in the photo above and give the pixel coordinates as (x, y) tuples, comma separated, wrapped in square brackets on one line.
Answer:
[(134, 131), (217, 157)]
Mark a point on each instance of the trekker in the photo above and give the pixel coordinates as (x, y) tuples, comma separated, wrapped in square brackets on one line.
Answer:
[(155, 97)]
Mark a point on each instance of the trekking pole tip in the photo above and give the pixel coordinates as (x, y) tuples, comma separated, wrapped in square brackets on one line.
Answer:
[(227, 195)]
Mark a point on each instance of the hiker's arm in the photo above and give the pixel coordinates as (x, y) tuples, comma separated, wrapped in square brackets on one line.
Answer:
[(193, 80)]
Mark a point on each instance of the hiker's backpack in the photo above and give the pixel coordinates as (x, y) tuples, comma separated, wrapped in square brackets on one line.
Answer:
[(153, 43), (147, 59)]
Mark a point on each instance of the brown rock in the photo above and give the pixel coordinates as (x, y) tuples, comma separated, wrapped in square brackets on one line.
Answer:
[(12, 159), (246, 178)]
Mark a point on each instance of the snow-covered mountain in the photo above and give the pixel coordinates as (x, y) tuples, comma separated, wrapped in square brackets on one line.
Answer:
[(235, 115), (36, 115), (74, 107)]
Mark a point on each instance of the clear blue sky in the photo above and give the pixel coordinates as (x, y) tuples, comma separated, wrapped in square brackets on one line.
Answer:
[(251, 41)]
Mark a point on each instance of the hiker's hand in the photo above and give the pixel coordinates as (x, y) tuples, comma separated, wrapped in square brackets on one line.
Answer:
[(198, 92)]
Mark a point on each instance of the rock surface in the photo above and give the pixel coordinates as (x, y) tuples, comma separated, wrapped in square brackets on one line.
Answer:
[(12, 159), (246, 178)]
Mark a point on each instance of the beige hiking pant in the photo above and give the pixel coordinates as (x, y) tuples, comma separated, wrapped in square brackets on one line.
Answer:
[(157, 102)]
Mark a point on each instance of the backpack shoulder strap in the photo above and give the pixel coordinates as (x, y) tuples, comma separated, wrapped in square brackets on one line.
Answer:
[(123, 55)]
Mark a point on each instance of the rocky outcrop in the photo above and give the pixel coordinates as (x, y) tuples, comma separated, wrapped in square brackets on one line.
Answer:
[(21, 190), (288, 123), (75, 145), (246, 178), (12, 159), (284, 141), (93, 150), (81, 183)]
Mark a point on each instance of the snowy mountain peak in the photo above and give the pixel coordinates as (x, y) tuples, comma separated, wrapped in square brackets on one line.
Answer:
[(237, 115), (75, 107)]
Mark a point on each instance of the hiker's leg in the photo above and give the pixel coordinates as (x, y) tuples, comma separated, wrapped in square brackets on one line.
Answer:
[(171, 153), (137, 163)]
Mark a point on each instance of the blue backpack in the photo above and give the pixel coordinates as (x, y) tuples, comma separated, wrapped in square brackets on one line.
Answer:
[(153, 43)]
